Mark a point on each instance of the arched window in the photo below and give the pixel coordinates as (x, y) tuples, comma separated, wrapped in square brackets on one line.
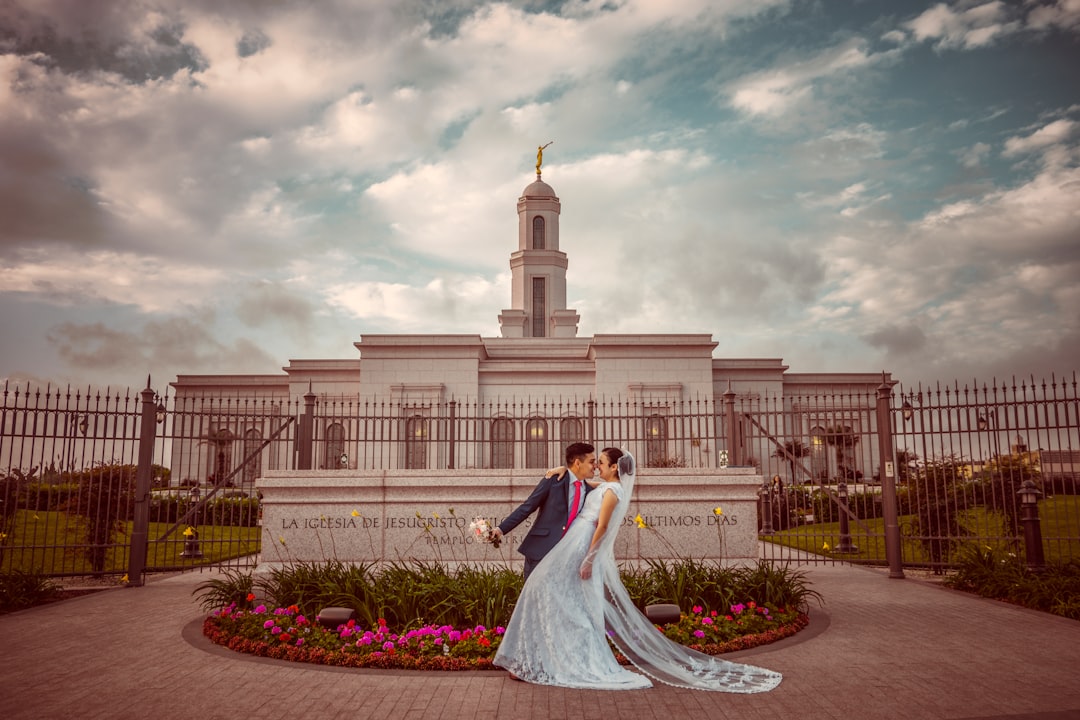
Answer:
[(539, 241), (416, 443), (502, 443), (252, 455), (220, 460), (335, 446), (655, 440), (539, 304), (819, 456), (536, 443), (570, 431)]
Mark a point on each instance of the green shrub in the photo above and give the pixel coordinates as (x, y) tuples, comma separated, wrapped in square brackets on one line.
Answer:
[(20, 590), (1004, 576)]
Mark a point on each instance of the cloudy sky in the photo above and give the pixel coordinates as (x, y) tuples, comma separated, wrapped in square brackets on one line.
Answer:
[(191, 186)]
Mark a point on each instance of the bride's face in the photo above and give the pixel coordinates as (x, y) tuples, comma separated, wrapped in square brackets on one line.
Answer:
[(609, 471)]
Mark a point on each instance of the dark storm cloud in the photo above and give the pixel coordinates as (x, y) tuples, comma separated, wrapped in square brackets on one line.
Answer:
[(163, 346), (905, 339), (268, 302), (84, 36)]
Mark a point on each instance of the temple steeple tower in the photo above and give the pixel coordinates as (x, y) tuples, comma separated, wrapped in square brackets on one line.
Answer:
[(538, 269)]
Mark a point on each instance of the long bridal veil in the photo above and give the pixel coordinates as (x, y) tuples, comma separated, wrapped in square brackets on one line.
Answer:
[(649, 650)]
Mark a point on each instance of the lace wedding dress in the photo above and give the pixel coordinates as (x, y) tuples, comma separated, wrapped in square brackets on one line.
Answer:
[(558, 634)]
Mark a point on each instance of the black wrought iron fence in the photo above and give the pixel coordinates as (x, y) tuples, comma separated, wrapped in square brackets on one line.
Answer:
[(110, 482)]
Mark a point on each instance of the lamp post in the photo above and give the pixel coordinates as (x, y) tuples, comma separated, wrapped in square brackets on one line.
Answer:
[(766, 508), (845, 545), (1029, 508)]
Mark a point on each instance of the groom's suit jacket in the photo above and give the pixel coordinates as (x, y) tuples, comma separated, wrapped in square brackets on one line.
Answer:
[(549, 500)]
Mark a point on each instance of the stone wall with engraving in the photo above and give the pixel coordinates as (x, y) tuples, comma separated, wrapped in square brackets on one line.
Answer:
[(401, 515)]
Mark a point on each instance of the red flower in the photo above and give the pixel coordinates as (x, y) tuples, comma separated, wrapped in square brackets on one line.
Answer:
[(484, 641), (382, 622), (284, 637), (251, 597)]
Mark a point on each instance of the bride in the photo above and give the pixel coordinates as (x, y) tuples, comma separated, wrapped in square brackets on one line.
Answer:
[(556, 635)]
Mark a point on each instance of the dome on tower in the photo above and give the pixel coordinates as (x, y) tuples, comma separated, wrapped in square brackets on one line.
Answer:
[(538, 189)]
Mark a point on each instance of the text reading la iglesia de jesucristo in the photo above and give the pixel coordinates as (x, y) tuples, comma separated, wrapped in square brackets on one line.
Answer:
[(347, 522)]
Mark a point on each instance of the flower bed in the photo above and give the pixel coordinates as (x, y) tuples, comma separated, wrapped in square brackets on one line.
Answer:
[(285, 634)]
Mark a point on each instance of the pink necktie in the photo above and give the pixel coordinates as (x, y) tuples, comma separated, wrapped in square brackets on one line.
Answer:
[(574, 505)]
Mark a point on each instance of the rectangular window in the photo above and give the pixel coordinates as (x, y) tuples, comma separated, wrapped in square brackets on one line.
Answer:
[(538, 316)]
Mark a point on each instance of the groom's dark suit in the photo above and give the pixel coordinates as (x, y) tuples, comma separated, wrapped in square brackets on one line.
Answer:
[(552, 498)]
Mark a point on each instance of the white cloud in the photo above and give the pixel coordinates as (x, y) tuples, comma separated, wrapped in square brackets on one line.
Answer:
[(778, 90), (453, 303), (975, 155), (1054, 133), (149, 284), (969, 28)]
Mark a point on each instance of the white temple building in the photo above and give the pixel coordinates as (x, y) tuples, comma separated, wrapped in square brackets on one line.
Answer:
[(526, 393)]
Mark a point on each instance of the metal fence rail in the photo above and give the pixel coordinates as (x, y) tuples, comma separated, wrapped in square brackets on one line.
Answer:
[(110, 482)]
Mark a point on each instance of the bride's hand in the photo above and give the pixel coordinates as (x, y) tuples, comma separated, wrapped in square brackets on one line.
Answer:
[(555, 471)]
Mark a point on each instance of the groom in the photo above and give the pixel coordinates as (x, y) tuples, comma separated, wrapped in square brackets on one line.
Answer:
[(553, 497)]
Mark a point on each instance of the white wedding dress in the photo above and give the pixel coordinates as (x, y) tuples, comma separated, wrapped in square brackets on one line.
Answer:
[(559, 631)]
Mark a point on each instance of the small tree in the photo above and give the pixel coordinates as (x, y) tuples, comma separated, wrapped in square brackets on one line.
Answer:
[(843, 439), (105, 500), (1000, 483), (791, 451), (937, 498), (905, 460)]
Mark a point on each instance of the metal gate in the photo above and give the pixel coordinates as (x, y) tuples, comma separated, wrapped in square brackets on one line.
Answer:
[(110, 483)]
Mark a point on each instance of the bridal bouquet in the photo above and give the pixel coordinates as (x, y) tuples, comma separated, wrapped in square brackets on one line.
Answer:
[(483, 531)]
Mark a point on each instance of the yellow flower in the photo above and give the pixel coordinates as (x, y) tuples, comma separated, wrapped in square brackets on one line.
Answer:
[(281, 539), (355, 513), (419, 515), (124, 579), (641, 521), (435, 515), (718, 510), (3, 536), (36, 517), (189, 532), (452, 512), (825, 547)]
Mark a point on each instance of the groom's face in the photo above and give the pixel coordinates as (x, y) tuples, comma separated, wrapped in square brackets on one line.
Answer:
[(583, 468)]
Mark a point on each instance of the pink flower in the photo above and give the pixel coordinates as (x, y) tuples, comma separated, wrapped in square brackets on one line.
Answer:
[(268, 624), (699, 633), (388, 646), (706, 621), (696, 609)]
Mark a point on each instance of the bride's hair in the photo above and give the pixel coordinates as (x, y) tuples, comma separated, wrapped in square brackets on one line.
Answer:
[(613, 455)]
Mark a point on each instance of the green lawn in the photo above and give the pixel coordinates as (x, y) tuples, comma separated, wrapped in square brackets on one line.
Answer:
[(1059, 518), (48, 543)]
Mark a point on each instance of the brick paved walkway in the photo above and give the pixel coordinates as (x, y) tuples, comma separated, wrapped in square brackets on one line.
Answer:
[(880, 648)]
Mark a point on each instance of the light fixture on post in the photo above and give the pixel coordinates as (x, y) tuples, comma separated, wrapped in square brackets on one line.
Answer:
[(1029, 514), (907, 411), (765, 493), (159, 411)]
